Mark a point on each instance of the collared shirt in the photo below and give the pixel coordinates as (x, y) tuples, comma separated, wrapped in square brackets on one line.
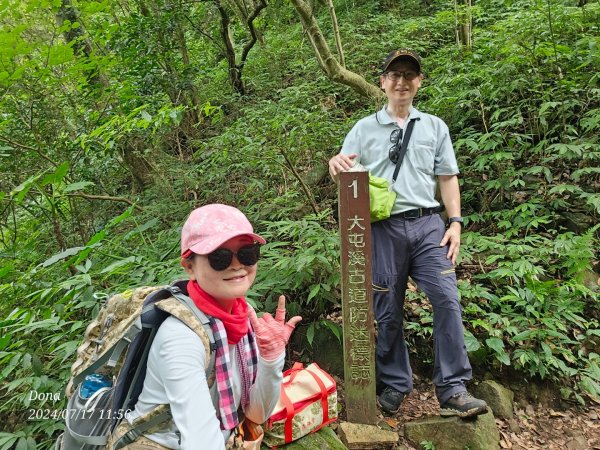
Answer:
[(429, 154)]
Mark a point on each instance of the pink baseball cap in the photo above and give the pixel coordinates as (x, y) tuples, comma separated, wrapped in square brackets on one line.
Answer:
[(210, 226)]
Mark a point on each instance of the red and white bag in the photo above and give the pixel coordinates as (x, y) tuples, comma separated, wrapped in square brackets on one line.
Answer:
[(308, 401)]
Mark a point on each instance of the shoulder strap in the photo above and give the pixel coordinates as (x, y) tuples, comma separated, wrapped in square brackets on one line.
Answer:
[(143, 424), (409, 129), (182, 307)]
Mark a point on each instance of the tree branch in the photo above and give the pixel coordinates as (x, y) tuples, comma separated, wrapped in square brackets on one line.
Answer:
[(305, 188), (336, 33), (235, 75), (262, 4), (202, 32), (105, 197), (330, 64), (27, 147)]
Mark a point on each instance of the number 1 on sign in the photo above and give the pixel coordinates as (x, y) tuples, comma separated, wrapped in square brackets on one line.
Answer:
[(354, 186)]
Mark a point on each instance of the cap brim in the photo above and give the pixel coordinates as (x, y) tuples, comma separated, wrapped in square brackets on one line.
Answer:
[(409, 57), (207, 246)]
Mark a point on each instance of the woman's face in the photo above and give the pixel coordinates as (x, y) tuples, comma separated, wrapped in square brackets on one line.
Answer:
[(225, 285)]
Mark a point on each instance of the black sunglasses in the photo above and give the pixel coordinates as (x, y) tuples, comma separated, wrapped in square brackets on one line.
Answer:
[(396, 139), (221, 258)]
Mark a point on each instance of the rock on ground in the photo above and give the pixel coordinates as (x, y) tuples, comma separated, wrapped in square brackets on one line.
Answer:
[(324, 439), (499, 398), (455, 433), (366, 437)]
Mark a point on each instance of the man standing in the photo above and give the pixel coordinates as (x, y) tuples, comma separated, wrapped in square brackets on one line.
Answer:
[(414, 240)]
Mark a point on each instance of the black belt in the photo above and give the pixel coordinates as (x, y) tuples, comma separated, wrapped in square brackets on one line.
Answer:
[(419, 212)]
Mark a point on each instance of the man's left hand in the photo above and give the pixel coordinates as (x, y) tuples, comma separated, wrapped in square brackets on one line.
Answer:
[(452, 237)]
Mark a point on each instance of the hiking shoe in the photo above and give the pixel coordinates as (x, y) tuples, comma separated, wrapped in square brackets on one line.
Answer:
[(390, 400), (463, 404)]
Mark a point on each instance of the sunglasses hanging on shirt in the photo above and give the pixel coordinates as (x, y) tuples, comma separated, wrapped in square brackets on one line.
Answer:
[(396, 139)]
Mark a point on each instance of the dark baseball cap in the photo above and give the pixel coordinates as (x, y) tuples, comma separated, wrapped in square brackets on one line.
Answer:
[(401, 53)]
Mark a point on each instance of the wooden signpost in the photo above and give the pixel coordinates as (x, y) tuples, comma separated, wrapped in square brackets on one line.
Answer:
[(357, 309)]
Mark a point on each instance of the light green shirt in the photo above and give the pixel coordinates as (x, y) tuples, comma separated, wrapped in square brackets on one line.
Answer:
[(429, 154)]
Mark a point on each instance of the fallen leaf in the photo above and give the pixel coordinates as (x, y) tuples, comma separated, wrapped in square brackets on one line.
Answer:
[(391, 422)]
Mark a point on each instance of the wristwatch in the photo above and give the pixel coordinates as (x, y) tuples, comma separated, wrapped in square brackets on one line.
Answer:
[(455, 219)]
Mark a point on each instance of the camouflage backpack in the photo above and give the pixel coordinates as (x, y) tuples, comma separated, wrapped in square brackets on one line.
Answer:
[(116, 346)]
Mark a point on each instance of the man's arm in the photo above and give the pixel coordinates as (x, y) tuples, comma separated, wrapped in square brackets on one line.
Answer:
[(451, 198)]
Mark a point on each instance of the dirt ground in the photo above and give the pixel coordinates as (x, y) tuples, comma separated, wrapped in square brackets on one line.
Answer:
[(535, 426)]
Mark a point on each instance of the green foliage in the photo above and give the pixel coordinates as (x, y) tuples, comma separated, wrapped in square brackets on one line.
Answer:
[(535, 310), (104, 150), (300, 260), (427, 445)]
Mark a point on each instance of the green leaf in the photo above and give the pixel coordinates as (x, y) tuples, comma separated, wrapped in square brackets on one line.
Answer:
[(112, 268), (37, 365), (524, 335), (590, 387), (310, 333), (121, 217), (97, 237), (503, 358), (78, 186), (497, 345), (334, 328), (142, 228), (7, 440), (62, 255), (21, 191), (471, 341), (314, 291)]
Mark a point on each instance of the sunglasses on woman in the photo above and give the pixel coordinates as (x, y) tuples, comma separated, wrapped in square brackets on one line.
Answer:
[(221, 258)]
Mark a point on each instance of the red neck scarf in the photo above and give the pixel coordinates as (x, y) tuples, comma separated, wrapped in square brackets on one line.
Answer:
[(236, 322)]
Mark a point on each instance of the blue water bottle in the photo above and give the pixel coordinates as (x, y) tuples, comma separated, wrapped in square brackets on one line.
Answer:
[(93, 383)]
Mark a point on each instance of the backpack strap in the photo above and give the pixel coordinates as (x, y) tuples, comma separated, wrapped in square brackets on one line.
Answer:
[(110, 357), (143, 424), (182, 307)]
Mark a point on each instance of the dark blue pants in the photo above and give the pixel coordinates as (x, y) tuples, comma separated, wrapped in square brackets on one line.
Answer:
[(411, 247)]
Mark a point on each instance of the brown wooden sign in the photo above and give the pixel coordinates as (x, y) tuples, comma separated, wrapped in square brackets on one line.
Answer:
[(357, 309)]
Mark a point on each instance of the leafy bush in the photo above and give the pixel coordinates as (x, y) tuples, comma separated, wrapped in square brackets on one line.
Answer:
[(521, 103)]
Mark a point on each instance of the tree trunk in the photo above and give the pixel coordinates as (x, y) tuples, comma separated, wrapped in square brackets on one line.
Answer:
[(235, 68), (262, 4), (464, 23), (242, 11), (82, 46), (330, 65), (191, 87), (235, 76), (136, 163)]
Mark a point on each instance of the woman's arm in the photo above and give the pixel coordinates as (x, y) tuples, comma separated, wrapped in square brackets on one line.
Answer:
[(180, 367), (265, 391)]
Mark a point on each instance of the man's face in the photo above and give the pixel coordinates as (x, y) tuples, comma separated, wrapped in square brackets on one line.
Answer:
[(398, 89)]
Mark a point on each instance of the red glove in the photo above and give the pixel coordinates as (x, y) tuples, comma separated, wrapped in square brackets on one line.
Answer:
[(272, 334)]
